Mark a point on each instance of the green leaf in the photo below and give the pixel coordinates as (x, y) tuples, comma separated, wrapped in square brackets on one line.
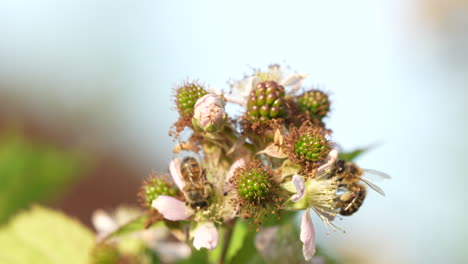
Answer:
[(248, 254), (138, 224), (33, 172), (237, 239), (42, 235), (198, 256), (352, 155)]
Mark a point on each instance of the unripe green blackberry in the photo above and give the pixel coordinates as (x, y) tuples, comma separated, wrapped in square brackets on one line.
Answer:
[(315, 102), (254, 184), (312, 147), (155, 186), (258, 193), (266, 101), (187, 96)]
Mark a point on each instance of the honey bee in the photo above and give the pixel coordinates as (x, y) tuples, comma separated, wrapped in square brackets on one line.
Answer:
[(197, 188), (352, 191)]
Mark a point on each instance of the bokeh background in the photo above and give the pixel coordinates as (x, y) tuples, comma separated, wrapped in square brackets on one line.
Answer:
[(85, 102)]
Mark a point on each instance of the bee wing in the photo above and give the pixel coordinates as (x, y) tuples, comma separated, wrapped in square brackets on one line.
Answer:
[(375, 175), (373, 186)]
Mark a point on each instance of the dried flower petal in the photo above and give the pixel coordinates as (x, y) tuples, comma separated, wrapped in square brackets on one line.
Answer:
[(171, 208), (206, 236), (274, 151), (307, 236)]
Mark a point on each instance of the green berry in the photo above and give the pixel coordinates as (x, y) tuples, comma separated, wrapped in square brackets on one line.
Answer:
[(187, 96), (155, 187), (312, 147), (266, 101), (315, 102), (254, 185)]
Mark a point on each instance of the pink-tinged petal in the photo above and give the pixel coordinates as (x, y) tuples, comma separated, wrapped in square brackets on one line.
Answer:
[(331, 159), (307, 236), (299, 184), (237, 164), (171, 208), (206, 236), (174, 168)]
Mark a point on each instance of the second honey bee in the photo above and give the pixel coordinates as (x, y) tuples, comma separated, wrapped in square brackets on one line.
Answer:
[(353, 191), (197, 189)]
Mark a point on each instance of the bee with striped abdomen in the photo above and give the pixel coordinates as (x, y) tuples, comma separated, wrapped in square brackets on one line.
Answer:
[(197, 189), (350, 178)]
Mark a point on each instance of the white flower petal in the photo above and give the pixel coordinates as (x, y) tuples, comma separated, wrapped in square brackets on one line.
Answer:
[(174, 168), (299, 184), (206, 236), (251, 83), (307, 236), (171, 208), (294, 81), (331, 159), (103, 223)]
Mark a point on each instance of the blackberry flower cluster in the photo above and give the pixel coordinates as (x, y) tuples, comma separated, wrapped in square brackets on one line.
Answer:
[(276, 156)]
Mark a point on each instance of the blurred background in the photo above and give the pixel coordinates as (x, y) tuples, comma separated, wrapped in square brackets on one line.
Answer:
[(86, 106)]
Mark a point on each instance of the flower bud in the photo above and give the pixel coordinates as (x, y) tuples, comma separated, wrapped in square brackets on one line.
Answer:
[(206, 236), (209, 114)]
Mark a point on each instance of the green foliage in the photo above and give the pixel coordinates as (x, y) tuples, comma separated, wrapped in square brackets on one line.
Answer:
[(248, 254), (32, 172), (354, 154), (237, 240), (198, 256), (135, 225), (41, 235)]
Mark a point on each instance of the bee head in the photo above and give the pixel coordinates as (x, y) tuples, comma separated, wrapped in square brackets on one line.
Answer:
[(340, 167)]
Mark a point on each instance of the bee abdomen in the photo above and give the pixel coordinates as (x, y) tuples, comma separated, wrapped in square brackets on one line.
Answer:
[(351, 207)]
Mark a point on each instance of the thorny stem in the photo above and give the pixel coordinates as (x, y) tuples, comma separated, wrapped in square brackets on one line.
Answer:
[(226, 242)]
